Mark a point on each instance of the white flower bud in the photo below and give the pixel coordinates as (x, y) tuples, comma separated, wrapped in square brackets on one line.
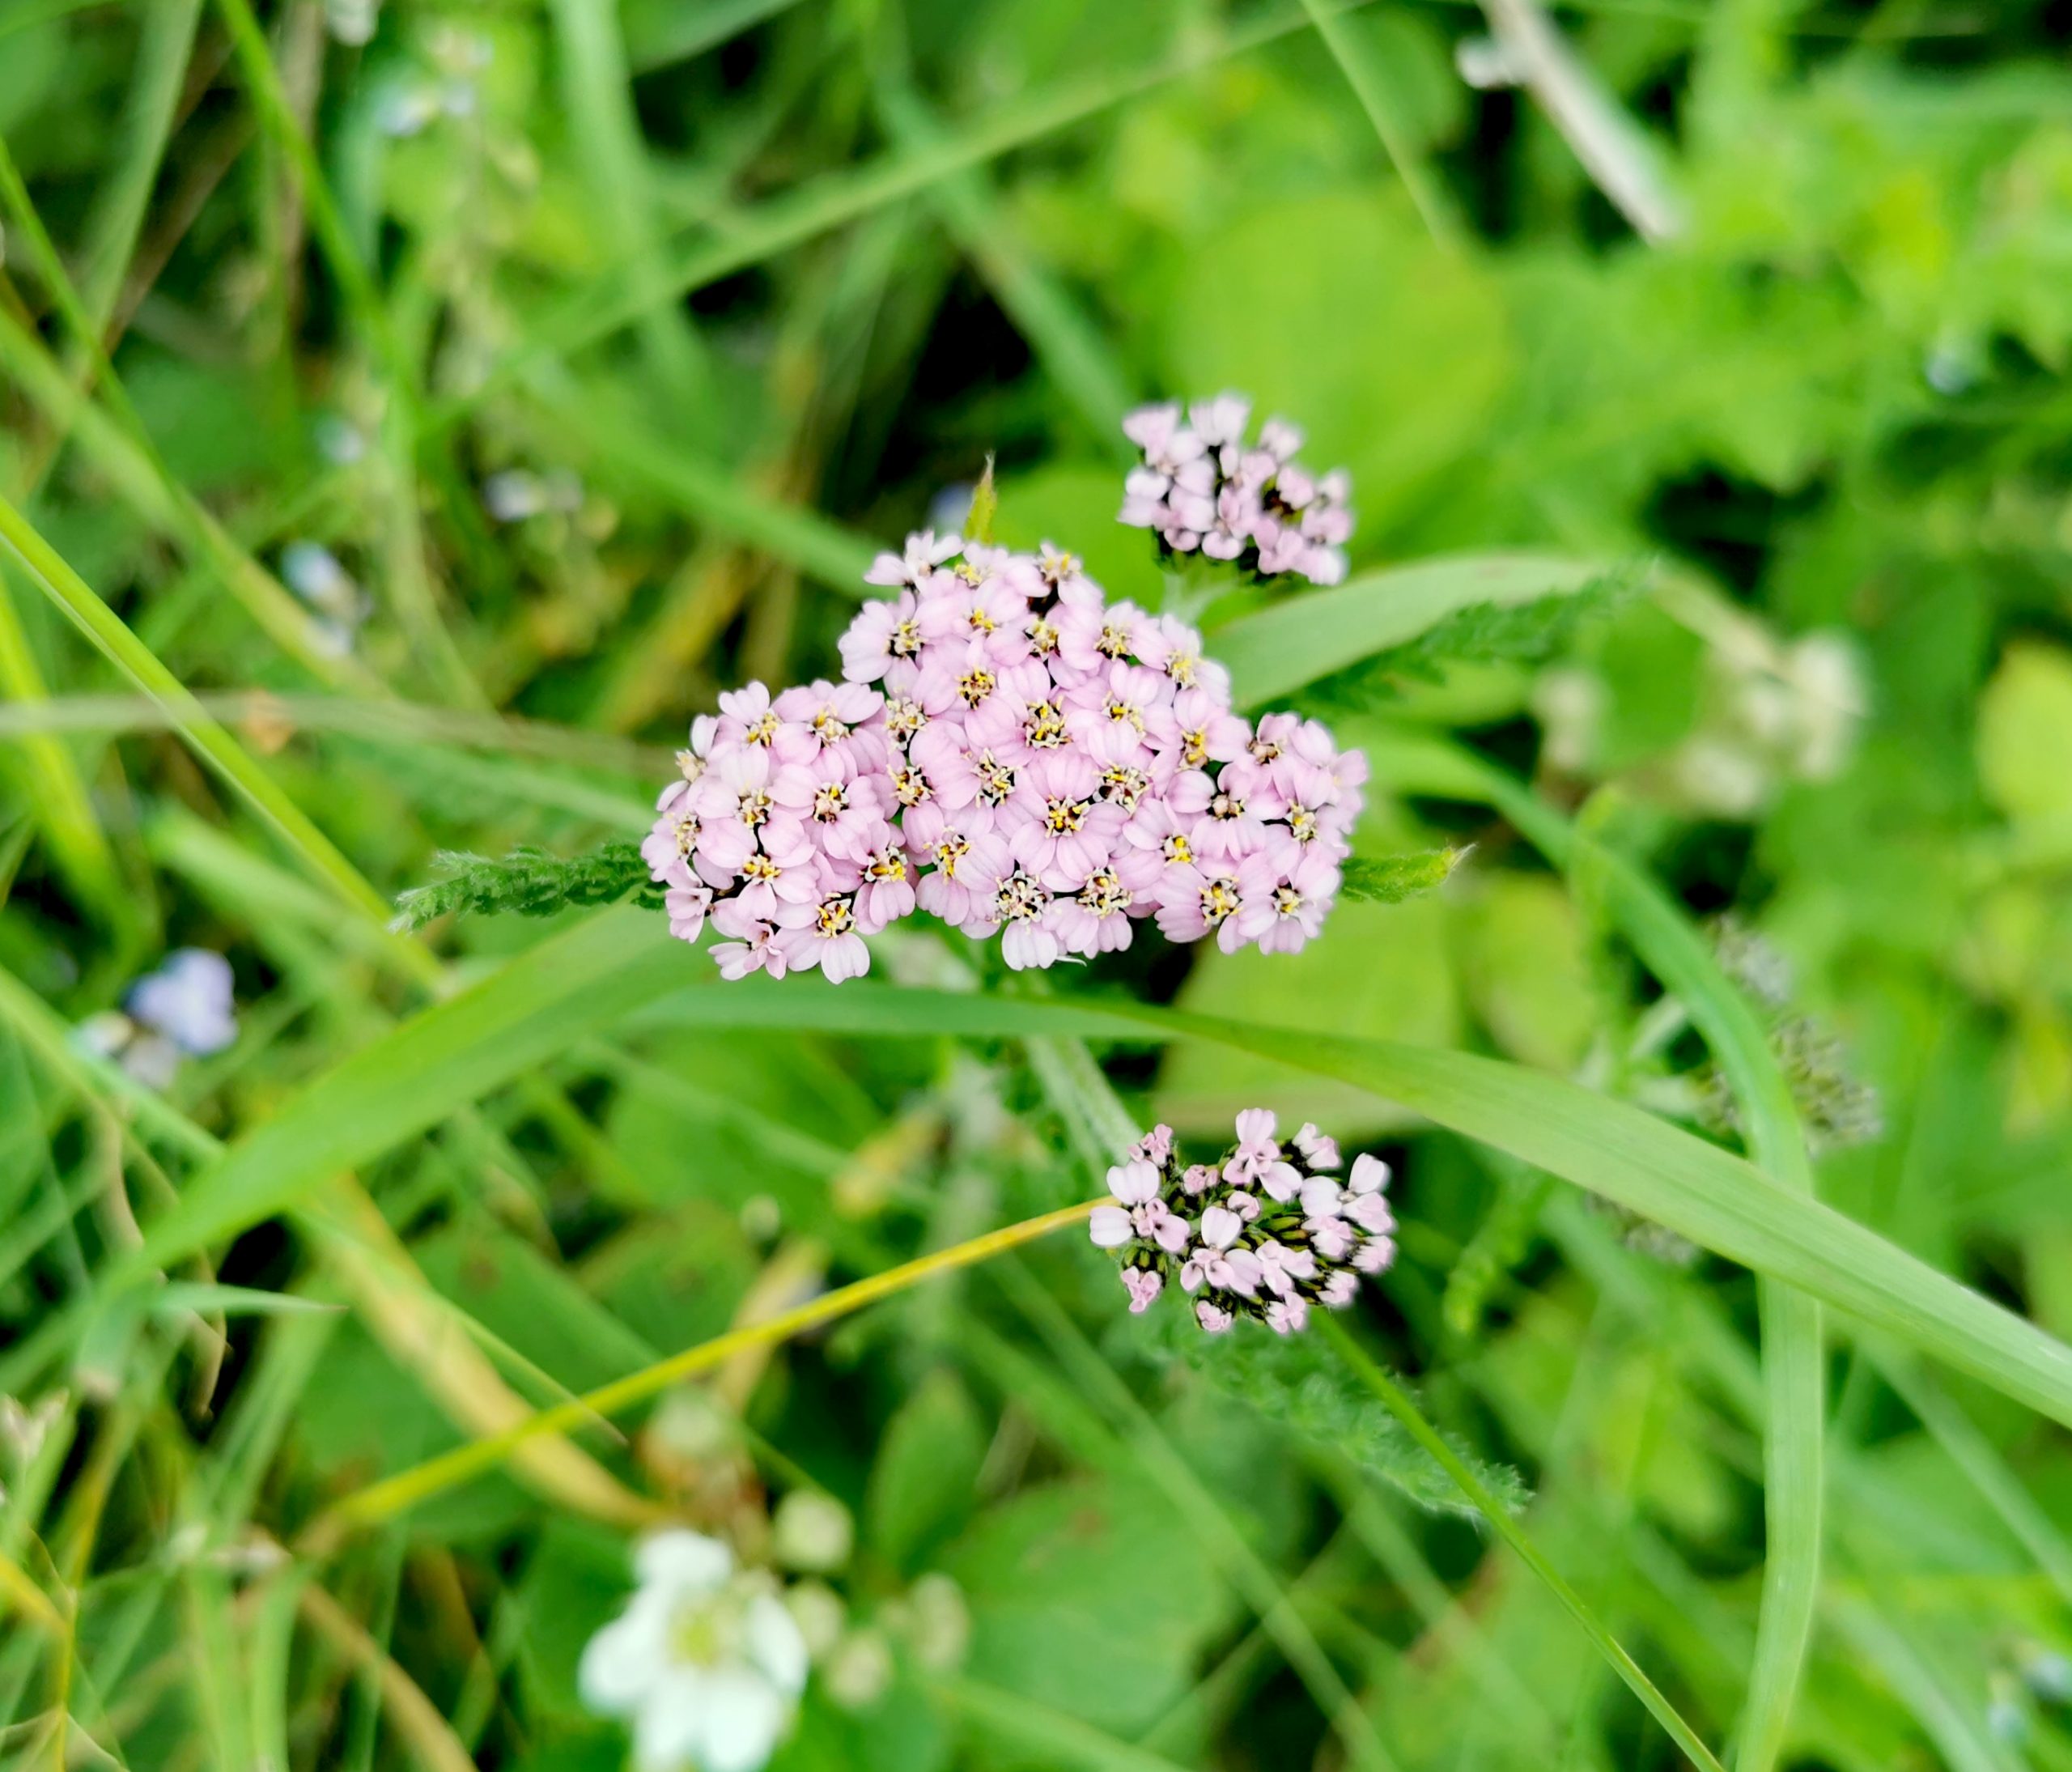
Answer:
[(860, 1670), (811, 1533)]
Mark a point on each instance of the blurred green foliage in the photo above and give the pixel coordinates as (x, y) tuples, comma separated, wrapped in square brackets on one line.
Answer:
[(611, 342)]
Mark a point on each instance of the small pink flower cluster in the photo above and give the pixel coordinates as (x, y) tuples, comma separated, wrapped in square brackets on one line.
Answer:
[(1201, 486), (1266, 1232), (1015, 755)]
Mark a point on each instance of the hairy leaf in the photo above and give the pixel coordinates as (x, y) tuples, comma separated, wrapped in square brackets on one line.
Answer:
[(527, 881), (1301, 1383), (1486, 633), (1390, 879)]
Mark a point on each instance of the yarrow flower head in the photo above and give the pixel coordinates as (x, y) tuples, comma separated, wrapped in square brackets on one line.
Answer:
[(1011, 752), (706, 1663), (1269, 1232), (1202, 487)]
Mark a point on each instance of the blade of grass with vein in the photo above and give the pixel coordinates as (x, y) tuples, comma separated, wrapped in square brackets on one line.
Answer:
[(1794, 1359), (600, 972), (209, 742), (1355, 62), (1277, 649), (57, 796)]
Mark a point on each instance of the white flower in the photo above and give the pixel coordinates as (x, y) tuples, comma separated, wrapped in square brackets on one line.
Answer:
[(705, 1662)]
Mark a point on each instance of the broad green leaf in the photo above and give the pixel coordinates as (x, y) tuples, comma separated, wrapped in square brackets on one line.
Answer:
[(1276, 650), (1420, 345), (921, 1487), (2025, 733), (1091, 1596)]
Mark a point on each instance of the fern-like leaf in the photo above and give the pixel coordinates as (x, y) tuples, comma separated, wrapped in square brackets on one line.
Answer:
[(527, 881), (1293, 1380), (1484, 633)]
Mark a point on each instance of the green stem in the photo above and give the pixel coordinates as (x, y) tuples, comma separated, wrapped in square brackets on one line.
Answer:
[(1397, 1402), (393, 1495)]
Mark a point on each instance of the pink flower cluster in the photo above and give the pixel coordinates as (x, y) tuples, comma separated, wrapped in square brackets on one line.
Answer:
[(1201, 486), (1266, 1232), (1015, 755)]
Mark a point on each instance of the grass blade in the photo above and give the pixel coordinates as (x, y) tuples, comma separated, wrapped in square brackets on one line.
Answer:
[(1793, 1358), (210, 742), (600, 970), (1393, 1397)]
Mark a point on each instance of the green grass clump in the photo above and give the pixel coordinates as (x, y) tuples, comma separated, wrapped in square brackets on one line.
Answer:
[(413, 416)]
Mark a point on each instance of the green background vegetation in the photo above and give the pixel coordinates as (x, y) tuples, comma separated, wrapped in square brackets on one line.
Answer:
[(738, 290)]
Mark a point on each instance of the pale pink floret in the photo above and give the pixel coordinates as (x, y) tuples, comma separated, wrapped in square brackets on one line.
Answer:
[(1025, 946), (838, 717), (1144, 1285), (1318, 1149), (1211, 896), (886, 890), (1168, 444), (671, 840), (1155, 1147), (1284, 1316), (1057, 825), (755, 948), (1094, 919), (988, 618), (823, 935), (787, 869), (687, 908), (964, 858), (1292, 913), (924, 552), (1366, 1203), (883, 634), (841, 806)]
